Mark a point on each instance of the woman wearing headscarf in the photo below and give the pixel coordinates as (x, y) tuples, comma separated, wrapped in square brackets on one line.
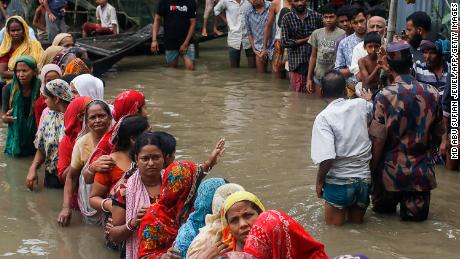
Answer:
[(211, 233), (48, 73), (18, 113), (275, 235), (127, 103), (196, 220), (15, 44), (63, 39), (160, 225), (76, 66), (49, 55), (88, 85), (97, 120), (63, 58), (57, 95)]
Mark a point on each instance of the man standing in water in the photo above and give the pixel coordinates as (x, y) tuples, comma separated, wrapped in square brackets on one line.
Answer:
[(341, 146), (406, 127), (274, 17), (237, 38), (297, 26), (418, 27), (179, 21)]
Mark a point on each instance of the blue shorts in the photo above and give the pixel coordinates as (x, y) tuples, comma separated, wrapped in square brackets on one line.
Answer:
[(173, 55), (354, 193)]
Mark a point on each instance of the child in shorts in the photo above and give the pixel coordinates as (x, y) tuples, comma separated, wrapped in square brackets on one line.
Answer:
[(341, 146)]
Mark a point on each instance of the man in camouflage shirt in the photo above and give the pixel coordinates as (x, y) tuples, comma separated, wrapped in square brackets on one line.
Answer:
[(406, 127)]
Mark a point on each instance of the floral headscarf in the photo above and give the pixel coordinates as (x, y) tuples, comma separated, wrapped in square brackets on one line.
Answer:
[(275, 235), (160, 225), (59, 88), (196, 220), (76, 66)]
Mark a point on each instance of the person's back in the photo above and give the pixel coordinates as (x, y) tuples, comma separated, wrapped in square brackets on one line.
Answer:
[(341, 146)]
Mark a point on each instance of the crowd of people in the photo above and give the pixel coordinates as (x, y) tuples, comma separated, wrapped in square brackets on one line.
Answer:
[(383, 131)]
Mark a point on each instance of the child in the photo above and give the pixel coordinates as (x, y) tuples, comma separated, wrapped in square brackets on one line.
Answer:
[(369, 67), (341, 146), (39, 22), (297, 26), (322, 56), (107, 22)]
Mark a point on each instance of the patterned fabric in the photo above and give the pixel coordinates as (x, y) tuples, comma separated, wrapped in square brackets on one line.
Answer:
[(59, 88), (211, 232), (160, 225), (73, 127), (293, 28), (63, 58), (227, 237), (196, 220), (136, 197), (424, 74), (408, 116), (345, 52), (21, 133), (76, 66), (48, 137), (255, 24), (27, 47), (126, 103), (275, 235)]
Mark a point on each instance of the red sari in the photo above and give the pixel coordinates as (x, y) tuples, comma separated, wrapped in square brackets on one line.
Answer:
[(275, 235), (127, 103), (72, 129), (162, 221)]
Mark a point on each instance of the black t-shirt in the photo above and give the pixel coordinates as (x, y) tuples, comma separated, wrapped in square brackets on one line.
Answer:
[(176, 20)]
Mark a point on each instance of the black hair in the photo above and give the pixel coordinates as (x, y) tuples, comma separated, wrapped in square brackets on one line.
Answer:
[(333, 84), (329, 9), (168, 142), (372, 37), (420, 19), (355, 10), (103, 104), (344, 11), (130, 126), (14, 20), (145, 139), (402, 66), (377, 11), (69, 78), (226, 181)]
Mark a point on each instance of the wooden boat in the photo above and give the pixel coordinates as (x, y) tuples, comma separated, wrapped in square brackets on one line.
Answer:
[(107, 50)]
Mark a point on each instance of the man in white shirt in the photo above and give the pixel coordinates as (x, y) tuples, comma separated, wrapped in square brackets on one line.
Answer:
[(238, 38), (107, 22), (340, 144)]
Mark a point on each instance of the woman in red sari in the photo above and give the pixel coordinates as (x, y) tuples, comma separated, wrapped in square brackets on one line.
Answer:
[(127, 103)]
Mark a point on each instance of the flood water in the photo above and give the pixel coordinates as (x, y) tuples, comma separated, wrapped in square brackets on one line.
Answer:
[(268, 132)]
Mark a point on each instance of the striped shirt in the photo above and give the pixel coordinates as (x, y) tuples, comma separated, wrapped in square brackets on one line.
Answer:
[(424, 74), (255, 23), (294, 28)]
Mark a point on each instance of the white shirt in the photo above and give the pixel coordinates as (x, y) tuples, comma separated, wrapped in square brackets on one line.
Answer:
[(235, 13), (340, 133), (107, 15)]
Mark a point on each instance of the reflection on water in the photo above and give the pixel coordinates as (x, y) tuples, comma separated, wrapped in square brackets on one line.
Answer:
[(268, 131)]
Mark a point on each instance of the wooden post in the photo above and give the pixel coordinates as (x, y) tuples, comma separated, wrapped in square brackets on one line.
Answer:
[(392, 20)]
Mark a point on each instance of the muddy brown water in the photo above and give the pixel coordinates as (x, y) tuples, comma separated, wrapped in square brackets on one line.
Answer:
[(268, 132)]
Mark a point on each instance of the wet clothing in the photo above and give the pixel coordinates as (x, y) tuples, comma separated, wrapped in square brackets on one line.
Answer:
[(344, 193), (176, 20), (408, 116), (275, 235), (414, 206)]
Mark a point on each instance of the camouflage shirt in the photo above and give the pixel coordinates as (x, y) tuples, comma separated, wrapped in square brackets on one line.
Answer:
[(408, 116)]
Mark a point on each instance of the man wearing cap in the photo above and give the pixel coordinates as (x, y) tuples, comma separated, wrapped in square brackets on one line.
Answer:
[(406, 127), (435, 69)]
